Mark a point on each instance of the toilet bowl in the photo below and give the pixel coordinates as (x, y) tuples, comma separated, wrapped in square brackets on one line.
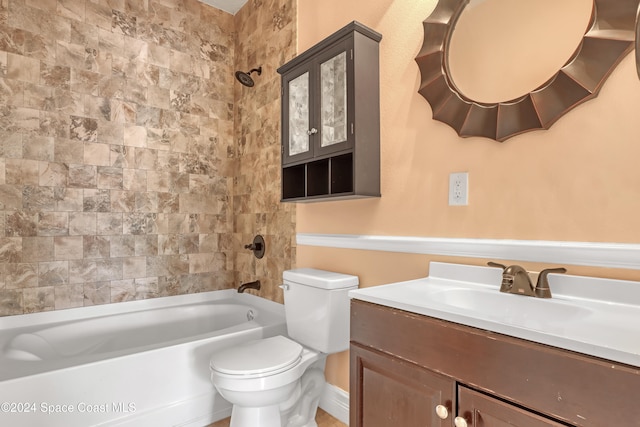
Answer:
[(277, 381), (263, 381)]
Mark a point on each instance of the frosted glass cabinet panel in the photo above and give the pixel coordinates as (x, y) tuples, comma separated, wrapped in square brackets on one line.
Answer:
[(299, 115), (333, 102), (331, 118)]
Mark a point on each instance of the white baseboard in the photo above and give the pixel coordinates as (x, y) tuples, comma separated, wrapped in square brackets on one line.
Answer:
[(335, 401), (195, 411), (593, 254)]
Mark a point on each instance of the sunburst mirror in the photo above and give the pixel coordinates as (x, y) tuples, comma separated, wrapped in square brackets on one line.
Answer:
[(638, 42), (609, 36)]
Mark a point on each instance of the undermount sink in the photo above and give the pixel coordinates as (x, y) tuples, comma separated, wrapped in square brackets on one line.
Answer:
[(529, 312)]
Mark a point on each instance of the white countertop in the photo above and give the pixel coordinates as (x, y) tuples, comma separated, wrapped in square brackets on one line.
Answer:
[(594, 316)]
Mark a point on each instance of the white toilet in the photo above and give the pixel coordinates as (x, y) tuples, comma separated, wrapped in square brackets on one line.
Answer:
[(277, 381)]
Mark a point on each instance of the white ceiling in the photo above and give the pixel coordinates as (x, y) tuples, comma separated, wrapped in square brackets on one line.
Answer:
[(231, 6)]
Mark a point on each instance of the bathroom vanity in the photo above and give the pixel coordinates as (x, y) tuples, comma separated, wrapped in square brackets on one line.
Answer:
[(414, 361)]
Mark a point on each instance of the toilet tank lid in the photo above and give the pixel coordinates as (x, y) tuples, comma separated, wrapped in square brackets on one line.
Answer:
[(320, 278)]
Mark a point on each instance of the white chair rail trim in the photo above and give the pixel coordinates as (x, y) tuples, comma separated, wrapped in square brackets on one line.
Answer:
[(593, 254)]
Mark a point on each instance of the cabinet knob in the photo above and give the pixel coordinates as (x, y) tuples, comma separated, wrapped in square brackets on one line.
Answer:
[(312, 131), (460, 422), (442, 412)]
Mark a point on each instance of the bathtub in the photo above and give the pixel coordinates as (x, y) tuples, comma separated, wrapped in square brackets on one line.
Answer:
[(139, 363)]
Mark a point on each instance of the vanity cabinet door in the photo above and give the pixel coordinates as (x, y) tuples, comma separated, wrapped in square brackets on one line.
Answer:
[(480, 410), (388, 392)]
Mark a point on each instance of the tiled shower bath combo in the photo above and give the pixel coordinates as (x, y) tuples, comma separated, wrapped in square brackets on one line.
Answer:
[(128, 154)]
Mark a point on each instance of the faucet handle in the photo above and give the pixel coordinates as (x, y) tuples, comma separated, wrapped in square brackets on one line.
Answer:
[(257, 246), (542, 287), (495, 264)]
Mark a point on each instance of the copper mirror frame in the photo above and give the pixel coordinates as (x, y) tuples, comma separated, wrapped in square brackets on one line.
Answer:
[(609, 37), (638, 42)]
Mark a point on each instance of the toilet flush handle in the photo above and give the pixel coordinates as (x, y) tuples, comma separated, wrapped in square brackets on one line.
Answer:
[(284, 287)]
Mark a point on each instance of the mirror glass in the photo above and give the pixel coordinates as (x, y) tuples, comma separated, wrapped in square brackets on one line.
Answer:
[(333, 84), (501, 50), (299, 114)]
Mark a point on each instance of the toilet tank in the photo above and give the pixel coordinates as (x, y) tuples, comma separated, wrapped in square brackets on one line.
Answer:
[(316, 304)]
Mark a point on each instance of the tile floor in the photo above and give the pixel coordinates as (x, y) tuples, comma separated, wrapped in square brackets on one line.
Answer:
[(322, 418)]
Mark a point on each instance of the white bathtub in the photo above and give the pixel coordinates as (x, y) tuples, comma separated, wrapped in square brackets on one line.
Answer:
[(140, 363)]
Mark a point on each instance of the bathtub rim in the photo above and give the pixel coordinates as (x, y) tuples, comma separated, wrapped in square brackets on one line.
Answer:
[(87, 312)]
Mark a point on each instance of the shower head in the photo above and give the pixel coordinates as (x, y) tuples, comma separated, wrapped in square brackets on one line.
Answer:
[(245, 78)]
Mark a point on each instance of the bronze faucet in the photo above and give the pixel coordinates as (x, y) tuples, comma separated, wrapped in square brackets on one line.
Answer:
[(250, 285), (516, 280)]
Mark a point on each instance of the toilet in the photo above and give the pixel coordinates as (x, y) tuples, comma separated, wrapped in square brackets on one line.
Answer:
[(277, 381)]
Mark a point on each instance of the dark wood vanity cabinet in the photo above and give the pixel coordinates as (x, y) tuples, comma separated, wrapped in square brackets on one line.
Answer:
[(406, 368), (480, 410), (394, 392), (331, 118)]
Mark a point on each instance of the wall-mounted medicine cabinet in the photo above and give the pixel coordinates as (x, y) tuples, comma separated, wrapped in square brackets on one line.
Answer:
[(331, 118)]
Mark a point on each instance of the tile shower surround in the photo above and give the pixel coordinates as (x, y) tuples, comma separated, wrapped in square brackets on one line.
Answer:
[(117, 155)]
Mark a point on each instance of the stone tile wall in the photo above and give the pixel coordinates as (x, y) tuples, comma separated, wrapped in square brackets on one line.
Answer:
[(266, 36), (118, 155)]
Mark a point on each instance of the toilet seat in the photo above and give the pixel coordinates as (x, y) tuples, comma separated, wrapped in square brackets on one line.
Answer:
[(258, 358)]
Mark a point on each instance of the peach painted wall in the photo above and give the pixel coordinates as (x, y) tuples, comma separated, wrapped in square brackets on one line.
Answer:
[(578, 181)]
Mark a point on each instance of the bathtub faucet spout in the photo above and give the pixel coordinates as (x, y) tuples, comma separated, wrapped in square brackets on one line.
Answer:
[(251, 285)]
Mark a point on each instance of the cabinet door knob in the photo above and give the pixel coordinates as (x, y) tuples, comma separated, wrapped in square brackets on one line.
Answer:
[(312, 131), (442, 412), (460, 422)]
